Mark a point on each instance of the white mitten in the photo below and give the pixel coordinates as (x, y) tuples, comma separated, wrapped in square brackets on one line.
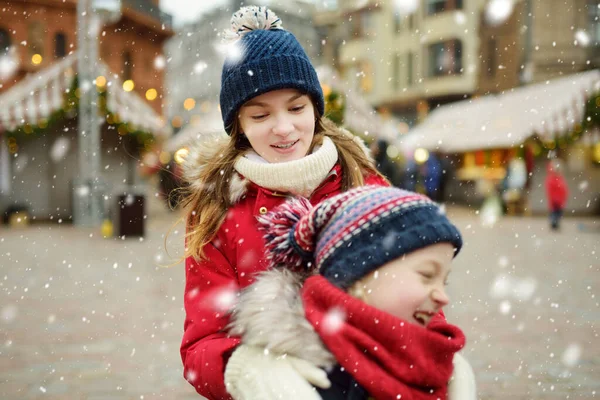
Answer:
[(254, 373), (462, 382)]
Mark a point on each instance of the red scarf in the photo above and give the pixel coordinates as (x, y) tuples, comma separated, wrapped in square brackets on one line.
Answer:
[(388, 357)]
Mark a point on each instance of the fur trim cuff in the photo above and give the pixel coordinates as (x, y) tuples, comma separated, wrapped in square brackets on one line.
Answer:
[(270, 314)]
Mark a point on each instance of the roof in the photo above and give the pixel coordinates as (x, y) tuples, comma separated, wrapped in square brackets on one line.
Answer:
[(548, 109), (38, 95)]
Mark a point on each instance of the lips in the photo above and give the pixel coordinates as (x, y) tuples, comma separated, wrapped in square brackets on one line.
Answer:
[(423, 317), (286, 145)]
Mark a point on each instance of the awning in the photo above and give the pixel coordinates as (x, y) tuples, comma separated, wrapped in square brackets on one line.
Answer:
[(548, 109), (39, 95)]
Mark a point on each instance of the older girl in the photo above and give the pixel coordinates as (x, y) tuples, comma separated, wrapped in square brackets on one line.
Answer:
[(279, 144)]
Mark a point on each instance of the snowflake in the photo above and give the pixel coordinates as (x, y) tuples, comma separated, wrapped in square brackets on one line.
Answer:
[(498, 11), (334, 320)]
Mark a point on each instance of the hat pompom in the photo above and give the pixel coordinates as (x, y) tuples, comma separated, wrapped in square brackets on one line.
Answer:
[(282, 247), (251, 18)]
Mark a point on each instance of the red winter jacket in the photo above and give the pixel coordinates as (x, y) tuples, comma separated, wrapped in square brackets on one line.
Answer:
[(556, 189), (233, 257)]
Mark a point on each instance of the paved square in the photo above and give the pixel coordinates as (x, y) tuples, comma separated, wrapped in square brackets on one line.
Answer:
[(89, 318)]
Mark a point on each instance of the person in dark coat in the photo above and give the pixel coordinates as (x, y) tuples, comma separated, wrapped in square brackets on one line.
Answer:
[(383, 163), (433, 177)]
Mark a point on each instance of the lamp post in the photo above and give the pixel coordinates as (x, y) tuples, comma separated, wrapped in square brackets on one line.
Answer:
[(89, 186)]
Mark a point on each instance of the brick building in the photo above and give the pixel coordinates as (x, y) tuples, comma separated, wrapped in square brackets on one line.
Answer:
[(44, 31), (39, 132)]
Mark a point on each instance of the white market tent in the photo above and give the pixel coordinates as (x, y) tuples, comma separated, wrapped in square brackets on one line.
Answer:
[(37, 96), (547, 109)]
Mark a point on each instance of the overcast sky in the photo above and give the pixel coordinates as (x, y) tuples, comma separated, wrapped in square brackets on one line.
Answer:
[(184, 11)]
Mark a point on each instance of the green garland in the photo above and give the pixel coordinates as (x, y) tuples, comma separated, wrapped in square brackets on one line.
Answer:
[(335, 107), (138, 140), (590, 119), (592, 112)]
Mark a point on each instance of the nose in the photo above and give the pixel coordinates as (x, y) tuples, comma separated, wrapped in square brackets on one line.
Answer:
[(283, 125), (440, 297)]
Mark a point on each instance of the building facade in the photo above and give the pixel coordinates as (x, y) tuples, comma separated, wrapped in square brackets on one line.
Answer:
[(537, 43), (39, 132), (407, 62)]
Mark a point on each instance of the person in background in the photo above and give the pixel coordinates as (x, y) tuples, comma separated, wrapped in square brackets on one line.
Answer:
[(279, 144), (556, 192), (433, 177), (384, 164), (360, 285)]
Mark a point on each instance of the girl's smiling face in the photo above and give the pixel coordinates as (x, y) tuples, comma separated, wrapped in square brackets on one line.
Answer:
[(279, 125), (411, 287)]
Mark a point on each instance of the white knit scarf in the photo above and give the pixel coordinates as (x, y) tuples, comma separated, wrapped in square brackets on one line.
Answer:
[(300, 177)]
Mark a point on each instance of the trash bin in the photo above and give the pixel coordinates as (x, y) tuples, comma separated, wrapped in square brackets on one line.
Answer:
[(130, 215), (16, 215)]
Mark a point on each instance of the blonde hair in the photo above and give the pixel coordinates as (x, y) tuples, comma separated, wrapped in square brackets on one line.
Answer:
[(206, 206)]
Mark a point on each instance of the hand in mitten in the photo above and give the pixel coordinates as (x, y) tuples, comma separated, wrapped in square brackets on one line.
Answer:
[(254, 373), (462, 382)]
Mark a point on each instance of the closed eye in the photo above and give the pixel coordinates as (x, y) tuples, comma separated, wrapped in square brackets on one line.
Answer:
[(298, 108), (259, 117), (427, 275)]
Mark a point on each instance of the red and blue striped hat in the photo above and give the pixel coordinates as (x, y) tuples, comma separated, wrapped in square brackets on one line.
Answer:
[(351, 234)]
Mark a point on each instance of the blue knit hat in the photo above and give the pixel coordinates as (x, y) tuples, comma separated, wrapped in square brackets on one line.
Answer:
[(354, 233), (267, 58)]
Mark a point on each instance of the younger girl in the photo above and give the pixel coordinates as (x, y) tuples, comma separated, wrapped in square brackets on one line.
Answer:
[(279, 144), (372, 314)]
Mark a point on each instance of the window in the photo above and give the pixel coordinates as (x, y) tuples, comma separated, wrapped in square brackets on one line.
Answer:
[(396, 72), (60, 45), (410, 78), (4, 41), (594, 21), (127, 66), (397, 22), (438, 6), (367, 23), (362, 24), (445, 58), (435, 6), (491, 57), (411, 22), (35, 38)]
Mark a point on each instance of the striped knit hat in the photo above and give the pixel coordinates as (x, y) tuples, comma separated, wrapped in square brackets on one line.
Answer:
[(356, 232)]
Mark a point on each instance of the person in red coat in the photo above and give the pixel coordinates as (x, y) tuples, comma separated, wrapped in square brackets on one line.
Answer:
[(363, 277), (279, 144), (556, 193)]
